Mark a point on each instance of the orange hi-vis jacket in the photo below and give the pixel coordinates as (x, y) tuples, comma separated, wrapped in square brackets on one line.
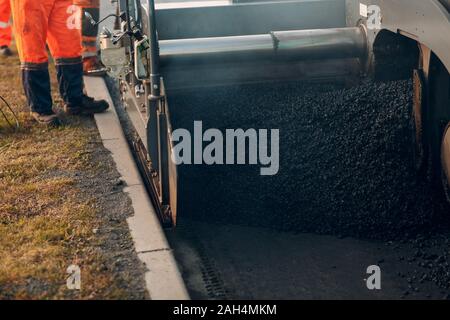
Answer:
[(88, 31), (5, 26), (41, 22)]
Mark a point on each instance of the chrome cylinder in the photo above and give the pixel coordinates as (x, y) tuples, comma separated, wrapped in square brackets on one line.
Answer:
[(211, 50), (276, 46), (321, 44)]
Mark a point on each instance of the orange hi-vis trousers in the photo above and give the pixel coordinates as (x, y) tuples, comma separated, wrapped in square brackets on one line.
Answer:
[(88, 31), (5, 26), (42, 22), (38, 23)]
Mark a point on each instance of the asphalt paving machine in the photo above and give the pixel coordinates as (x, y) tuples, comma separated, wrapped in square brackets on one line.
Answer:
[(162, 47)]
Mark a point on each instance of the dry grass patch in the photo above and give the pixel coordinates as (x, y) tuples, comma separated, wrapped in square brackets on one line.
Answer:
[(48, 214)]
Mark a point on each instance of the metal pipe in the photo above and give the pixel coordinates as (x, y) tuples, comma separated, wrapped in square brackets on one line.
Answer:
[(321, 43), (276, 46), (155, 77)]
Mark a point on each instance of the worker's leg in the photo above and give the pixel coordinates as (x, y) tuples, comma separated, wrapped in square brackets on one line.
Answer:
[(65, 45), (64, 42), (30, 24), (5, 26), (89, 32)]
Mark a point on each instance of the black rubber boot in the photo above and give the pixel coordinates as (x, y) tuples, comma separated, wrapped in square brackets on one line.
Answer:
[(36, 84), (87, 106), (70, 78)]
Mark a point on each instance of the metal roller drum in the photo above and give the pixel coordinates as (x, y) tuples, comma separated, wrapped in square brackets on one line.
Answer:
[(275, 46)]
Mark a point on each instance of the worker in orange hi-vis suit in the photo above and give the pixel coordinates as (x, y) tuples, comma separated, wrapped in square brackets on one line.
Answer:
[(5, 28), (41, 22), (91, 63)]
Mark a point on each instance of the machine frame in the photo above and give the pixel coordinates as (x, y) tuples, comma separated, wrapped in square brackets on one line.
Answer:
[(414, 35)]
